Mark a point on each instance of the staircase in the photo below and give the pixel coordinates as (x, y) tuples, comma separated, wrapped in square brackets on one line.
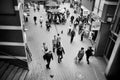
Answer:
[(11, 72)]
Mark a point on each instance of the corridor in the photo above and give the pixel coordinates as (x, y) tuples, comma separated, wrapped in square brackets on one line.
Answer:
[(67, 69)]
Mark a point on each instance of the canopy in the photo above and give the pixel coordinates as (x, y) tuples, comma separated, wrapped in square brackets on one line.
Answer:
[(62, 10), (53, 10), (51, 3)]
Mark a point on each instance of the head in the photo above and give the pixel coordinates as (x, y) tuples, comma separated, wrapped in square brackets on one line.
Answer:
[(50, 52), (54, 36), (44, 44), (82, 48), (58, 34), (90, 47)]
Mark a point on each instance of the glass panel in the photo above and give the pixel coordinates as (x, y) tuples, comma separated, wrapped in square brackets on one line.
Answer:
[(117, 30), (107, 46), (110, 49)]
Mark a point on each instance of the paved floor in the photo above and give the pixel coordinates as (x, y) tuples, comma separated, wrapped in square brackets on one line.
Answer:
[(68, 69)]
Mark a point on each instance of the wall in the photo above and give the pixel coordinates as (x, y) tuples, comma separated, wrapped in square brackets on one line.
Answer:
[(113, 68), (102, 40), (8, 15), (107, 10), (12, 39)]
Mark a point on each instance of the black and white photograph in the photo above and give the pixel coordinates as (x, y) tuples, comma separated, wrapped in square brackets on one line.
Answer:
[(59, 39)]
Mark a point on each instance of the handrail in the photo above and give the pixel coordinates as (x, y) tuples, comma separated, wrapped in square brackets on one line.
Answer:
[(12, 56)]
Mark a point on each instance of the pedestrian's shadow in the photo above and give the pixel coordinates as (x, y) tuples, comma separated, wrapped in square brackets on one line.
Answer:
[(78, 63)]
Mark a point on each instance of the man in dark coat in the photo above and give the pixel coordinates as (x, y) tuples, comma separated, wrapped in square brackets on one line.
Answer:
[(35, 19), (72, 18), (60, 51), (48, 56), (72, 35), (80, 54), (82, 35), (88, 54)]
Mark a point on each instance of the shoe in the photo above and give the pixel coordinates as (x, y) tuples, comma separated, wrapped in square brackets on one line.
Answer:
[(88, 63), (47, 67)]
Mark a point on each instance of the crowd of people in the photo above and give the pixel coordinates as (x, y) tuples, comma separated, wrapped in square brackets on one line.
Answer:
[(56, 18), (57, 47)]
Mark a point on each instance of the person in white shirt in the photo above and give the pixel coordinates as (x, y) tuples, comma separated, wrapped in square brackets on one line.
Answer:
[(69, 30), (41, 20)]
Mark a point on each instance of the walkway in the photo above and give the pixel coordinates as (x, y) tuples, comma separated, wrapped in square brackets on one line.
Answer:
[(68, 69)]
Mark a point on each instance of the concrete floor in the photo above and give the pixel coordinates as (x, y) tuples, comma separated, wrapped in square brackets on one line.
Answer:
[(68, 69)]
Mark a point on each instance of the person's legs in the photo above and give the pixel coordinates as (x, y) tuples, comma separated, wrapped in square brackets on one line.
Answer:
[(41, 24), (58, 58), (61, 57), (69, 32), (54, 49), (81, 38), (71, 39), (48, 65), (87, 58)]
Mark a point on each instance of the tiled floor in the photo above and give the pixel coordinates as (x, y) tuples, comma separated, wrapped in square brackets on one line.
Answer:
[(68, 69)]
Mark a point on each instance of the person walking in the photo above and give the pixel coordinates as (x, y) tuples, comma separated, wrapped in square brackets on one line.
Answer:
[(89, 52), (48, 56), (58, 44), (60, 52), (54, 42), (69, 30), (80, 54), (72, 19), (72, 35), (44, 48), (48, 26), (82, 35), (80, 27), (41, 20), (75, 24), (35, 19)]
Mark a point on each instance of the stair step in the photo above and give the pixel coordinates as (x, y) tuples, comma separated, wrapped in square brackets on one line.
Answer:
[(3, 69), (18, 74), (1, 64), (7, 72), (10, 77), (24, 73)]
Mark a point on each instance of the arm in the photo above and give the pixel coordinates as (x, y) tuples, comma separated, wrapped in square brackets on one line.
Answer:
[(63, 50), (52, 56)]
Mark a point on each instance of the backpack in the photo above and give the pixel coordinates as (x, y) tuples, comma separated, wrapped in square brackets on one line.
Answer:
[(80, 54)]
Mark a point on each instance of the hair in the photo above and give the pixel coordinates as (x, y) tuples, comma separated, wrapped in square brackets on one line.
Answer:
[(54, 35), (82, 48), (90, 47), (58, 34), (43, 43)]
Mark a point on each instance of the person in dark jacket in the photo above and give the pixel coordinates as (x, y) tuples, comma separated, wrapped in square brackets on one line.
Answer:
[(89, 52), (72, 35), (72, 19), (60, 51), (35, 19), (58, 44), (80, 54), (82, 35), (48, 56)]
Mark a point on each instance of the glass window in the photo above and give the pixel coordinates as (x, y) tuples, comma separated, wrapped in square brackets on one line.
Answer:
[(117, 29), (110, 49)]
